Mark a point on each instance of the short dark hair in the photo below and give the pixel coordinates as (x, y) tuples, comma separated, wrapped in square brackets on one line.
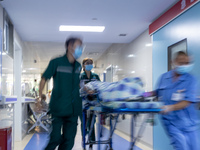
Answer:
[(71, 40), (86, 59), (180, 53)]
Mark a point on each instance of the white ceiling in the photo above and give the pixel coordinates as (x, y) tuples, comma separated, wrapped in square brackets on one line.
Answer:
[(37, 22)]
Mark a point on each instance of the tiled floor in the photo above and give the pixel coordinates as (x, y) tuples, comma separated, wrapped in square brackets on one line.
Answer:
[(38, 141), (22, 144)]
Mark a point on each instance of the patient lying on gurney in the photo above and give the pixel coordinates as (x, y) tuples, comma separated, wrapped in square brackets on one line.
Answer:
[(126, 93)]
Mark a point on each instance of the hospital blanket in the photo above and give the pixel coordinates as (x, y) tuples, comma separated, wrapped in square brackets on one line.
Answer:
[(125, 89)]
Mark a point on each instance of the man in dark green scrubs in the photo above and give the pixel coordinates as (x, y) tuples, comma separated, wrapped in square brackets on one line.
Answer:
[(65, 104)]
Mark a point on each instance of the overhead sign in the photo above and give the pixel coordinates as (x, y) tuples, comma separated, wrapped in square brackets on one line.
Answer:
[(172, 13)]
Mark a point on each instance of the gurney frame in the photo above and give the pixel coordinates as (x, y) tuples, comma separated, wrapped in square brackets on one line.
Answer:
[(105, 110)]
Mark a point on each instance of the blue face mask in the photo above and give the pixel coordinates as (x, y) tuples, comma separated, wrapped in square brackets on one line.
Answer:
[(78, 52), (88, 67), (184, 68)]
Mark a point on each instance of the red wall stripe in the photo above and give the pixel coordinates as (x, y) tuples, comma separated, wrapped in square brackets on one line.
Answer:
[(172, 13)]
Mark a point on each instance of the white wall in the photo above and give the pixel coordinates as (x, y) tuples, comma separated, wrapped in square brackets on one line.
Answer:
[(141, 63), (18, 40), (117, 55)]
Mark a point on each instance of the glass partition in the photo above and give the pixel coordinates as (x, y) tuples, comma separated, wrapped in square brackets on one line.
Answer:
[(0, 63), (7, 75), (30, 85), (172, 49)]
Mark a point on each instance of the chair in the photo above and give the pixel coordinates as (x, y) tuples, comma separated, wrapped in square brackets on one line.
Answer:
[(41, 119)]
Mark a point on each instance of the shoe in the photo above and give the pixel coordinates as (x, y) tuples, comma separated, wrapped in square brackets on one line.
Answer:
[(90, 147)]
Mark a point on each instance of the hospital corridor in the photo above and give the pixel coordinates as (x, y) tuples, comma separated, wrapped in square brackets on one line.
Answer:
[(100, 75)]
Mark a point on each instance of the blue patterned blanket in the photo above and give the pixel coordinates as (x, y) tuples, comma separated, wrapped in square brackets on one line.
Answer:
[(123, 90)]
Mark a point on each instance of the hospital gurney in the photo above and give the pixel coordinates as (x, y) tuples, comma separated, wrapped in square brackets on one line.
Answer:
[(106, 110), (133, 105)]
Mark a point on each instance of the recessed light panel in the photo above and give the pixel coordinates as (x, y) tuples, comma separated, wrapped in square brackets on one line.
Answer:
[(82, 28)]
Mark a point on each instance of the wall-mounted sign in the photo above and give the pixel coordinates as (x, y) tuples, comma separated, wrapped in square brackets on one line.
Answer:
[(171, 14)]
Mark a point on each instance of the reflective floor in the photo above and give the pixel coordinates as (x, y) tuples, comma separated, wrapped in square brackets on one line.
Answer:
[(39, 139)]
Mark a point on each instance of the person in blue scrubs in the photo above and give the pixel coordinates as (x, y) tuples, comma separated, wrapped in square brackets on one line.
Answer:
[(177, 90)]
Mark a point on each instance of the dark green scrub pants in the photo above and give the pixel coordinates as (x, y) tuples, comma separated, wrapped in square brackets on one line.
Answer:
[(88, 125), (68, 126), (89, 122)]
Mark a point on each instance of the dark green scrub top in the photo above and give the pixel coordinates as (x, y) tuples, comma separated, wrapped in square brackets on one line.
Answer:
[(85, 79), (65, 98)]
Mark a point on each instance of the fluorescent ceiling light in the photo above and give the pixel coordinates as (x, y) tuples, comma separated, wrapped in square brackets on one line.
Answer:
[(131, 55), (115, 67), (82, 28), (24, 71), (132, 71), (149, 44), (119, 69), (31, 68)]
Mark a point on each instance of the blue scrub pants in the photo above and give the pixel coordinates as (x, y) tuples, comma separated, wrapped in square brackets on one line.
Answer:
[(182, 140)]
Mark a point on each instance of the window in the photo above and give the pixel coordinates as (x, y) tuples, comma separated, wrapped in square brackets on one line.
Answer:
[(172, 49), (8, 47)]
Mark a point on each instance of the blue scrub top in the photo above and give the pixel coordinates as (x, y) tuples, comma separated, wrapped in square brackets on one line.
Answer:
[(170, 93)]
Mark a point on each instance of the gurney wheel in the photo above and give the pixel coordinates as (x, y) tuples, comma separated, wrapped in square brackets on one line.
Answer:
[(107, 148), (110, 148)]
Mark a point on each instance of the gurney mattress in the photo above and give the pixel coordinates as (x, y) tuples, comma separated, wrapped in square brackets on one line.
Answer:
[(130, 105)]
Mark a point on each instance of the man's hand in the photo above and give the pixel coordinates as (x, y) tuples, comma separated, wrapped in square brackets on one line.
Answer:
[(38, 105), (147, 94), (167, 108), (178, 106), (90, 92), (41, 86), (38, 99)]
